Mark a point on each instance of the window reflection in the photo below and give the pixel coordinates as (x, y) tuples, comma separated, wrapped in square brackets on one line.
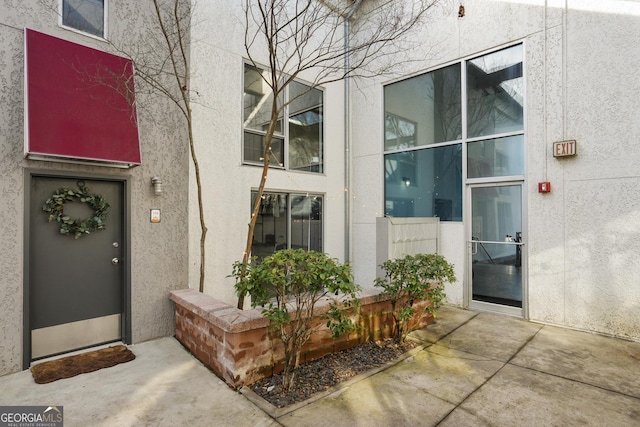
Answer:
[(423, 110), (496, 157), (287, 221), (423, 133), (302, 113), (258, 101), (426, 182), (84, 15), (495, 93), (305, 128)]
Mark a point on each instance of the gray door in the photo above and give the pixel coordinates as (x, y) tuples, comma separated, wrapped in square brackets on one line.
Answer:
[(75, 285)]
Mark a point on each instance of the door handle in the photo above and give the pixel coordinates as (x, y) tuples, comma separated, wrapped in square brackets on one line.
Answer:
[(115, 261)]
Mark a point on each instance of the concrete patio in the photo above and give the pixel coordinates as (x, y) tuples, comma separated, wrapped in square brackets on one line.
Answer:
[(474, 369)]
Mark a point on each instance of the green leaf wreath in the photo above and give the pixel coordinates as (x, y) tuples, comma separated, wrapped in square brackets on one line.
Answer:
[(54, 206)]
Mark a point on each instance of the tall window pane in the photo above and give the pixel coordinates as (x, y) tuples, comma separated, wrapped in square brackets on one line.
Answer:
[(257, 101), (425, 182), (270, 233), (496, 157), (495, 93), (84, 15), (306, 222), (423, 110), (305, 128)]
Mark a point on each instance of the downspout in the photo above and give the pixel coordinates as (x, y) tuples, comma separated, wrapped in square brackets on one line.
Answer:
[(347, 132)]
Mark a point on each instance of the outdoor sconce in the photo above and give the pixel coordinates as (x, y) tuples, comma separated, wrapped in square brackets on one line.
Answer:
[(407, 181), (157, 185)]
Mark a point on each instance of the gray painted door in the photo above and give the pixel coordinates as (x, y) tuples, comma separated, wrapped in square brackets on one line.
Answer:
[(75, 285)]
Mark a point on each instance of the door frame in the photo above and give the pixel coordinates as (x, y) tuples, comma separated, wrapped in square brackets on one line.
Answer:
[(125, 181), (468, 284)]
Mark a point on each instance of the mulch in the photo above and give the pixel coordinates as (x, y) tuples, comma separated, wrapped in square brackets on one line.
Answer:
[(328, 371), (71, 366)]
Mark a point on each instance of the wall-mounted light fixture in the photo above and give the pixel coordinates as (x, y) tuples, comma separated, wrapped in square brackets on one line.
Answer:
[(406, 181), (157, 185)]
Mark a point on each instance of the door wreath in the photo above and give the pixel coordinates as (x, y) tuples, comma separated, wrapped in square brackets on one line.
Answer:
[(54, 207)]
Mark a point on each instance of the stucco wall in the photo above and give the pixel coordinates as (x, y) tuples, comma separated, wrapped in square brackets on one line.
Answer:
[(158, 251), (580, 77), (218, 56), (583, 264)]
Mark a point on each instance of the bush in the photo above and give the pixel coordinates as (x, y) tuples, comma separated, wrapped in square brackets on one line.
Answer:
[(288, 284), (411, 279)]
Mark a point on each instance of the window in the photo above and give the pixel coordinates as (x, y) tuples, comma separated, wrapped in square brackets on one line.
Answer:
[(287, 221), (424, 137), (495, 99), (88, 16), (424, 111), (298, 138)]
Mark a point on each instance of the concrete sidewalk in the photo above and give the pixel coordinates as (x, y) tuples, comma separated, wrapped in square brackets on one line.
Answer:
[(474, 369), (163, 386), (479, 369)]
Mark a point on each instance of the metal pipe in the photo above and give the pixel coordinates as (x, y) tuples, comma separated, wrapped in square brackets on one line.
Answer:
[(347, 132)]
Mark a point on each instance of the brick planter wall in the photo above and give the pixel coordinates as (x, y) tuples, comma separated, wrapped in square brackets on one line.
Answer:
[(238, 347)]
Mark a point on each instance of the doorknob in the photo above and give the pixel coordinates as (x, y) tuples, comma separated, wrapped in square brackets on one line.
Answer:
[(115, 261)]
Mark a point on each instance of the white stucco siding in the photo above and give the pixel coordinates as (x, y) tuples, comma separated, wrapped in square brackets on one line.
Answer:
[(580, 76), (218, 55), (582, 271)]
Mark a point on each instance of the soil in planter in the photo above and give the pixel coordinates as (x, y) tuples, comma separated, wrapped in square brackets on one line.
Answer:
[(330, 370)]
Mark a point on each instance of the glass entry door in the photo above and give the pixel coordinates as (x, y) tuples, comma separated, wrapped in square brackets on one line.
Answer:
[(496, 247)]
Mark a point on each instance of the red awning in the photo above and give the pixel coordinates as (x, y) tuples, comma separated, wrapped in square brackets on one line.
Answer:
[(79, 103)]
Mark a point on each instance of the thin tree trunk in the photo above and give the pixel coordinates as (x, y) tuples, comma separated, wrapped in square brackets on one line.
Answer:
[(263, 180)]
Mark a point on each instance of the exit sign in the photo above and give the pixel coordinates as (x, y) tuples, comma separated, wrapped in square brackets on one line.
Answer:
[(564, 148)]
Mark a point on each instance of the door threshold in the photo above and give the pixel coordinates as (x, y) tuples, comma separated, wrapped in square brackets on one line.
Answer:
[(496, 308)]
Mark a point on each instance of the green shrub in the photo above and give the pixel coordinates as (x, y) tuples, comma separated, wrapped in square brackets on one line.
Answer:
[(288, 284), (411, 279)]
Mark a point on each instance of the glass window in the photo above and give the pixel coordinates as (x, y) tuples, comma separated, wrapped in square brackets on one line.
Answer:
[(85, 15), (423, 110), (258, 100), (495, 93), (496, 157), (287, 221), (424, 139), (254, 148), (305, 128), (303, 136), (306, 222), (426, 182)]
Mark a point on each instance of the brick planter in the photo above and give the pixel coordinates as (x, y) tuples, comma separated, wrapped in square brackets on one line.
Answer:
[(238, 347)]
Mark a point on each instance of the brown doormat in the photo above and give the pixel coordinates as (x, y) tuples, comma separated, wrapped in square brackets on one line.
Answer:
[(71, 366)]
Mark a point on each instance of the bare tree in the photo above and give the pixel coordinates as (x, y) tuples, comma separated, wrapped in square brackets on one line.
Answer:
[(174, 21), (161, 68), (327, 41)]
